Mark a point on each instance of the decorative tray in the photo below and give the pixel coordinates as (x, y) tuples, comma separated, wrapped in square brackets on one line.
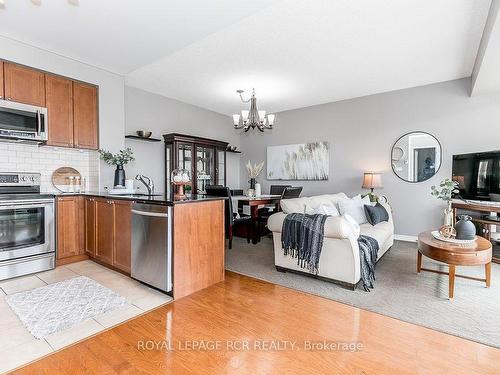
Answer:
[(439, 237)]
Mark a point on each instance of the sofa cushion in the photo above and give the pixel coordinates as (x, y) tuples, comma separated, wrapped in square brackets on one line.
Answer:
[(324, 209), (294, 205), (354, 207), (353, 222), (376, 214), (381, 232), (327, 199)]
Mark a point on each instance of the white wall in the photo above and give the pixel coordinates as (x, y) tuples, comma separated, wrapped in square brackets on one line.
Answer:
[(161, 115), (111, 91), (362, 131)]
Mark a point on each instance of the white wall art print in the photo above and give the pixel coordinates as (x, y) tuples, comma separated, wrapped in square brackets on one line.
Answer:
[(305, 161)]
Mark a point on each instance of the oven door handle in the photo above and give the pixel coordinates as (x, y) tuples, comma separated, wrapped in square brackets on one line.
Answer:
[(25, 204)]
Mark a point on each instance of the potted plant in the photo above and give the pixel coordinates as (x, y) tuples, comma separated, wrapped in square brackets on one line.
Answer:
[(445, 192), (119, 159)]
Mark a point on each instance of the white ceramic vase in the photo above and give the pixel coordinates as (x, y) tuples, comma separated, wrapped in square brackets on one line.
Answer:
[(448, 215), (258, 190)]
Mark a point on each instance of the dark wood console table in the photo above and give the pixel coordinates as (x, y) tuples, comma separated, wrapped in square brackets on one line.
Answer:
[(478, 210)]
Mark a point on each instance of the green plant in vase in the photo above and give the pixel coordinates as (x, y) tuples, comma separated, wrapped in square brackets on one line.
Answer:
[(445, 192), (119, 159)]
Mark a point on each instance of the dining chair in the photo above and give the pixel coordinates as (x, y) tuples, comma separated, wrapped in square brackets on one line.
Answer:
[(273, 190), (289, 192), (232, 220), (278, 189)]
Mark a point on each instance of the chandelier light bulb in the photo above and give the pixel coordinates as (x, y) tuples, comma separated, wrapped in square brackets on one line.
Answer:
[(236, 120), (244, 114), (270, 119)]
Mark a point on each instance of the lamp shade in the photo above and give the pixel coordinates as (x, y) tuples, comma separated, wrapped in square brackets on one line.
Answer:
[(372, 180)]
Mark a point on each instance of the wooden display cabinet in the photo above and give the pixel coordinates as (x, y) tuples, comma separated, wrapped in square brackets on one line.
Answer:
[(204, 158)]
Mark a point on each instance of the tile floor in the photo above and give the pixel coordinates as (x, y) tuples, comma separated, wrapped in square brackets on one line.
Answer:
[(19, 347)]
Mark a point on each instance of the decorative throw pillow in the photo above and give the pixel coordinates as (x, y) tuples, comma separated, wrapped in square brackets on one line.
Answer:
[(376, 214), (327, 209), (353, 222), (354, 208)]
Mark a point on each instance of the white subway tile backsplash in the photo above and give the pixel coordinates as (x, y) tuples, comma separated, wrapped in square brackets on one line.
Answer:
[(45, 160)]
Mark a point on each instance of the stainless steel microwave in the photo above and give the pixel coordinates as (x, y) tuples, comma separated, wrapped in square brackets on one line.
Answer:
[(22, 122)]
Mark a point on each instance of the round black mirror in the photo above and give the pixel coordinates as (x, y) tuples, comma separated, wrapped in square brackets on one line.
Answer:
[(416, 156)]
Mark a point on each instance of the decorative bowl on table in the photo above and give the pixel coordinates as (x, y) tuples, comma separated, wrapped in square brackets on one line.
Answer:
[(143, 133)]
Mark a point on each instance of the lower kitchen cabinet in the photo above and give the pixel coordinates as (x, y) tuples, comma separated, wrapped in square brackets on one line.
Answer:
[(104, 230), (112, 226), (90, 226), (122, 235), (98, 228), (70, 228)]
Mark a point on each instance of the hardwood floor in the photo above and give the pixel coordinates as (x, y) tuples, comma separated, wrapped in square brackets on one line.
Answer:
[(244, 310)]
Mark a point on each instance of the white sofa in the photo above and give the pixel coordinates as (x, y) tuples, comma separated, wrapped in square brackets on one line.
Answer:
[(339, 259)]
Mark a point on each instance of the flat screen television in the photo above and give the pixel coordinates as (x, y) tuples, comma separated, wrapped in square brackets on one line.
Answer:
[(478, 175)]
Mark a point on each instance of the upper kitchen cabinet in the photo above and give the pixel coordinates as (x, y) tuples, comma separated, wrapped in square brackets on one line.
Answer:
[(59, 93), (85, 116), (1, 80), (23, 84)]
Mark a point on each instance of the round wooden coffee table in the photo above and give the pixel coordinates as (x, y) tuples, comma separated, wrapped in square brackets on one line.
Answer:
[(476, 254)]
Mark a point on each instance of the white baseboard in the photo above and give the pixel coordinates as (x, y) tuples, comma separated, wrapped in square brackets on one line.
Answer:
[(403, 237)]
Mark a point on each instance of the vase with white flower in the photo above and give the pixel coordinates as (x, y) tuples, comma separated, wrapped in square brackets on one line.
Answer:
[(253, 172), (445, 192)]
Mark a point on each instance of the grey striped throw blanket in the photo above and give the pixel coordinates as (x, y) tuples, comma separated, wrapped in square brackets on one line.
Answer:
[(368, 252), (302, 238)]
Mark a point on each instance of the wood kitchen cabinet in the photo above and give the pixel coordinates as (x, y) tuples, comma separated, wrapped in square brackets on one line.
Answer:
[(85, 118), (59, 97), (122, 235), (72, 105), (113, 232), (104, 230), (70, 228), (1, 80), (23, 84), (90, 226)]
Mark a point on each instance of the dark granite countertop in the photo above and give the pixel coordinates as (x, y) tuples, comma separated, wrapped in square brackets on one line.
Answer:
[(165, 199)]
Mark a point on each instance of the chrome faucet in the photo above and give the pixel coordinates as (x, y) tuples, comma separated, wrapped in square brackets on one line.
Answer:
[(147, 182)]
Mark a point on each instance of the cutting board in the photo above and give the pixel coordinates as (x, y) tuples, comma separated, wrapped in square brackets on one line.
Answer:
[(62, 176)]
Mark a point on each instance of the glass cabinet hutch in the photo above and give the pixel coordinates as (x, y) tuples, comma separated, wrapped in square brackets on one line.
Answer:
[(204, 158)]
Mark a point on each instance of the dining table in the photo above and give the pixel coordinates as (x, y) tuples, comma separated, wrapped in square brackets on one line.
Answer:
[(254, 203)]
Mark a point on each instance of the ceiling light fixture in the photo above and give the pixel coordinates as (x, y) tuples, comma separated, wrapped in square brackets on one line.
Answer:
[(36, 2), (254, 118)]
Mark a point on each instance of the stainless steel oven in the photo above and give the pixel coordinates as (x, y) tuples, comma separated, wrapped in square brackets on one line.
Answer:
[(27, 228), (22, 122)]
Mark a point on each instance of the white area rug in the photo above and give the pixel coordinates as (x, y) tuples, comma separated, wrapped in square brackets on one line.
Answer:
[(55, 307)]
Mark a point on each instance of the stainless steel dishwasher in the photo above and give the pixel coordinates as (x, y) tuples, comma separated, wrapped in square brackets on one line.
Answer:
[(152, 245)]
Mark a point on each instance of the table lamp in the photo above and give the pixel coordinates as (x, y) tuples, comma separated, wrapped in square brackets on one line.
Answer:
[(372, 181)]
